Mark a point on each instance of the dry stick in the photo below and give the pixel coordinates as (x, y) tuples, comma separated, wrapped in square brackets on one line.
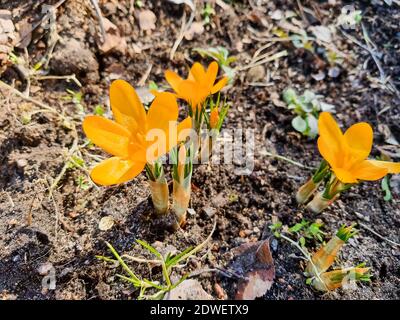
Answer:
[(69, 78), (378, 235), (143, 79), (276, 56), (184, 27), (29, 99), (277, 156), (100, 17), (29, 215), (37, 24)]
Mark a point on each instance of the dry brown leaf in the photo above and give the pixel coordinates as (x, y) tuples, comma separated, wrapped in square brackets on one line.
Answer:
[(147, 20), (254, 261), (113, 40), (196, 28)]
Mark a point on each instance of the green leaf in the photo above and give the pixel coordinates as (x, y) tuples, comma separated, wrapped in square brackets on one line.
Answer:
[(99, 110), (302, 242), (153, 86), (298, 226), (386, 188), (289, 95), (176, 259), (299, 124), (150, 248), (312, 123)]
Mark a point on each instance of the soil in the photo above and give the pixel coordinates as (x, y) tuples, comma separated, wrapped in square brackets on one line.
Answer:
[(61, 230)]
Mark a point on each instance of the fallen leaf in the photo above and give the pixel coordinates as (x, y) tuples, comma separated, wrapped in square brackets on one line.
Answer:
[(147, 20), (196, 28), (106, 223), (113, 40), (255, 263)]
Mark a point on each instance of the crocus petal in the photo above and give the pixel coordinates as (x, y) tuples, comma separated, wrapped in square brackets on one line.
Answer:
[(197, 72), (183, 130), (163, 109), (219, 85), (344, 175), (392, 167), (115, 170), (107, 134), (367, 171), (173, 79), (126, 106), (211, 74), (327, 152), (359, 138), (332, 136)]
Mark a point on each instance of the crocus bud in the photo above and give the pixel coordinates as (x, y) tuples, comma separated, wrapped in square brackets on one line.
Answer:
[(214, 118)]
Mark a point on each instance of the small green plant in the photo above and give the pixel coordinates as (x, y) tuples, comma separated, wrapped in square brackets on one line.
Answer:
[(99, 110), (76, 99), (153, 86), (75, 162), (275, 227), (166, 261), (385, 184), (83, 183), (221, 55), (308, 230), (307, 108), (207, 12)]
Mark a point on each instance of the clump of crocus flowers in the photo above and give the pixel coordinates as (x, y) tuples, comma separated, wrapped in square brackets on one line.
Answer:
[(139, 140), (345, 163), (321, 260)]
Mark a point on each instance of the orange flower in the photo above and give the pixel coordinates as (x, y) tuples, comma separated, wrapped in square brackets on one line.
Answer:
[(198, 86), (214, 118), (347, 153), (127, 138)]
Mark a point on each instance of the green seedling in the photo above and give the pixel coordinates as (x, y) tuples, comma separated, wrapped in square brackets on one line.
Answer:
[(83, 183), (307, 108), (207, 12), (167, 262), (76, 99), (385, 185), (275, 227)]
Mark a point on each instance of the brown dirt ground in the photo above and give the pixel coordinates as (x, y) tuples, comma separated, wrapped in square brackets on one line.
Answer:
[(65, 231)]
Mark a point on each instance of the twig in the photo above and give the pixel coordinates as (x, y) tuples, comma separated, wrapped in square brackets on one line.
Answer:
[(37, 24), (100, 17), (143, 79), (69, 78), (29, 99), (276, 56), (184, 27), (378, 235), (277, 156), (29, 215)]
